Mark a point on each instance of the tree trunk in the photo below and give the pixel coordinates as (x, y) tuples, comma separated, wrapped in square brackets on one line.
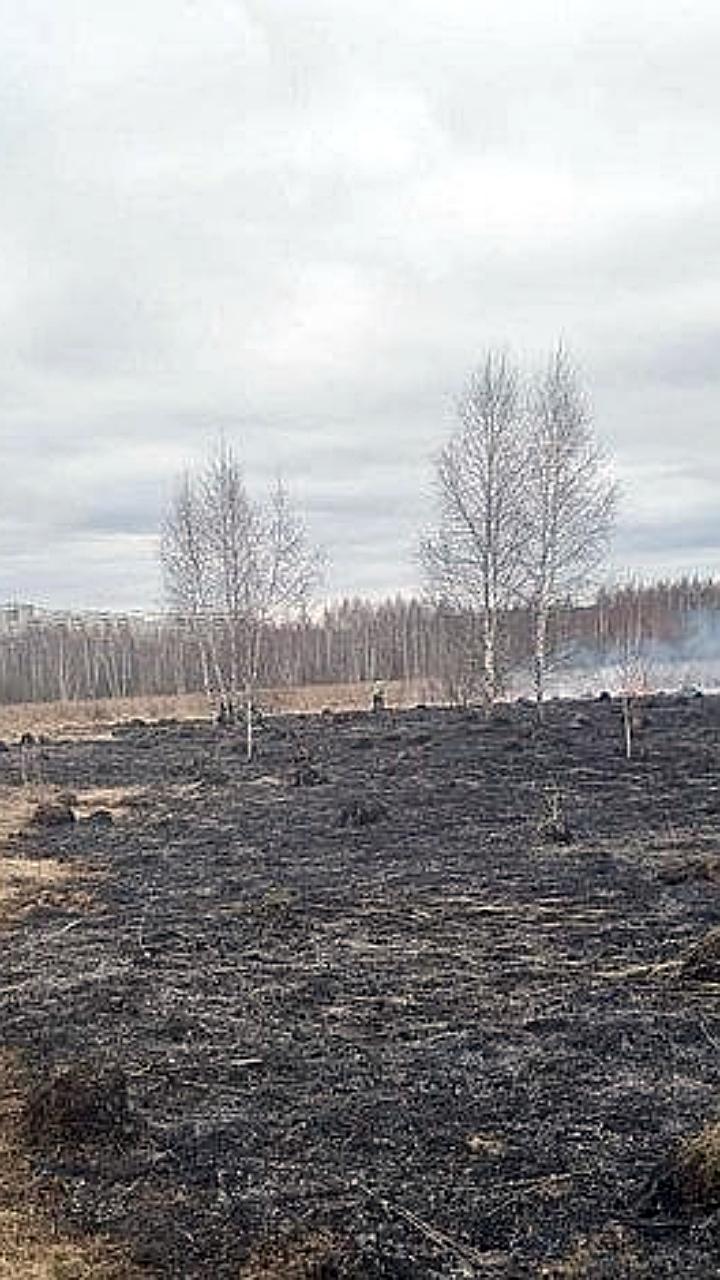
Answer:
[(490, 672), (540, 654)]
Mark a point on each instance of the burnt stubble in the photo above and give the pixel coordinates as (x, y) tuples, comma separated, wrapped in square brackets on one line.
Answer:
[(437, 1042)]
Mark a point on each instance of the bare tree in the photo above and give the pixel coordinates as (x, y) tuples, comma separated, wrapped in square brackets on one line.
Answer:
[(472, 560), (569, 499), (233, 565), (187, 571)]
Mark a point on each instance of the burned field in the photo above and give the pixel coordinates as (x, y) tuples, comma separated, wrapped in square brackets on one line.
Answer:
[(411, 995)]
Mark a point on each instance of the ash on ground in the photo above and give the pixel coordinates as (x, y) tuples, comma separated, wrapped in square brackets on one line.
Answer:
[(428, 1045)]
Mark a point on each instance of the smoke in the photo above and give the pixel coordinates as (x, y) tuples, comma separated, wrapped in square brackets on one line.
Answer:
[(691, 659)]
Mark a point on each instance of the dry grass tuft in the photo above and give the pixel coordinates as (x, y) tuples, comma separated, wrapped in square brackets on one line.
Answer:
[(94, 718), (17, 805), (362, 813), (317, 1256), (701, 963), (117, 800), (687, 1182), (686, 870), (28, 1251), (699, 1167), (32, 883), (486, 1144), (53, 813), (77, 1104), (314, 698), (610, 1254), (29, 884), (31, 1246)]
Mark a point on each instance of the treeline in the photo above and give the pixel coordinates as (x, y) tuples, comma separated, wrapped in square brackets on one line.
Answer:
[(50, 656)]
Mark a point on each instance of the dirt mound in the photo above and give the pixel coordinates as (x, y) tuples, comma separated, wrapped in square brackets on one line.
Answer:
[(555, 831), (214, 777), (687, 870), (53, 813), (77, 1104), (305, 774), (362, 813), (100, 818), (701, 963)]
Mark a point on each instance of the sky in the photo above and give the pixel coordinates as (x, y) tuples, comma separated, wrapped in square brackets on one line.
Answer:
[(299, 224)]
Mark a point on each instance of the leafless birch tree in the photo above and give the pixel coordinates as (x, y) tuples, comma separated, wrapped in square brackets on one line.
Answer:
[(472, 560), (526, 506), (232, 566), (569, 499), (187, 571)]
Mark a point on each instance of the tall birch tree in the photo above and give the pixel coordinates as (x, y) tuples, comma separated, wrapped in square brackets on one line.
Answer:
[(472, 560), (570, 501), (232, 565)]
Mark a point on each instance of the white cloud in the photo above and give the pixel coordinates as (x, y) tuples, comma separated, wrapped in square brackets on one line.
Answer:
[(301, 224)]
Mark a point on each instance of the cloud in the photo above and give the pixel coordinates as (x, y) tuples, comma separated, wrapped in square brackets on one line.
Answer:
[(301, 224)]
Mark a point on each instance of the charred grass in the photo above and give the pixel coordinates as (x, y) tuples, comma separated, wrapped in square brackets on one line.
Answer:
[(431, 1044), (33, 1245)]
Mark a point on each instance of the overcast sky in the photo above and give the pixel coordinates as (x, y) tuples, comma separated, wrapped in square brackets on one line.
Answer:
[(301, 222)]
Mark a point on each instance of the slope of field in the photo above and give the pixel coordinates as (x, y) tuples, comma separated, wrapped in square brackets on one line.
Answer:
[(373, 1022)]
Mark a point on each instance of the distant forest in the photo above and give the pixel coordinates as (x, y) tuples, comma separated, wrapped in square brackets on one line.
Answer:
[(49, 656)]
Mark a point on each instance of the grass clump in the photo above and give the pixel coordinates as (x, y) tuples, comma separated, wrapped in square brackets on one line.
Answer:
[(699, 1167), (316, 1256), (362, 813), (701, 963), (77, 1104), (33, 1246), (610, 1254)]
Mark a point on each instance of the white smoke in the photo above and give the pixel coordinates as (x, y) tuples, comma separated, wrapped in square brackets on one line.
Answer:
[(691, 661)]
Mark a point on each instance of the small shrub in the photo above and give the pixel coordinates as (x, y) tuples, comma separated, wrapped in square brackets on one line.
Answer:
[(554, 827), (305, 774)]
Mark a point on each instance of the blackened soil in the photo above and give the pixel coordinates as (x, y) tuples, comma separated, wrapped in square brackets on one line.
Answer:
[(455, 1046)]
